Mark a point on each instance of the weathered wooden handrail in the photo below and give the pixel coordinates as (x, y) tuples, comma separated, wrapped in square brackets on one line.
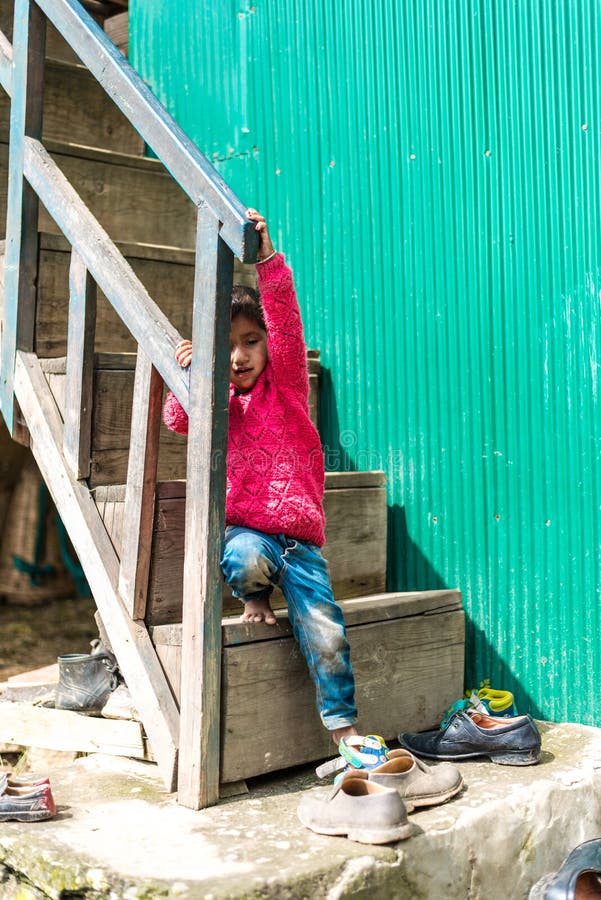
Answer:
[(190, 168), (6, 64), (148, 324)]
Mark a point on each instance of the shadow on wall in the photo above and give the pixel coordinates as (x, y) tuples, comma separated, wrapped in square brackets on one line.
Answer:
[(407, 569), (494, 667), (336, 455)]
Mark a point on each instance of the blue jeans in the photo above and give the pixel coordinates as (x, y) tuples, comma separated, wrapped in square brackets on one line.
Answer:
[(253, 562)]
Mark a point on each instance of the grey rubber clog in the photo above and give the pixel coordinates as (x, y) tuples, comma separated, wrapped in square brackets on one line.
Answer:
[(358, 808)]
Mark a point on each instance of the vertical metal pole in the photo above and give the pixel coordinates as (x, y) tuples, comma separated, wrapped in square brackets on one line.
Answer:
[(21, 260), (198, 781)]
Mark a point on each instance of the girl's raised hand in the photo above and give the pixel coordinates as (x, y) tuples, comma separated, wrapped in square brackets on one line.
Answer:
[(265, 246), (183, 353)]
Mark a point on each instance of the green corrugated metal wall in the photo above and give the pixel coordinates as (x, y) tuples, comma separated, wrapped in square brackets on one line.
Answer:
[(432, 168)]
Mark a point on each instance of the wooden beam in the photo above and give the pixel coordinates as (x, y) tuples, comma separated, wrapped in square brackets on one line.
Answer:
[(138, 517), (61, 729), (21, 258), (130, 640), (6, 64), (149, 326), (79, 381), (190, 168), (198, 784), (358, 611)]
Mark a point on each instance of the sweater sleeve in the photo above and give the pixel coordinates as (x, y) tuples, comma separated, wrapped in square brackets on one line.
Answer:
[(174, 416), (285, 340)]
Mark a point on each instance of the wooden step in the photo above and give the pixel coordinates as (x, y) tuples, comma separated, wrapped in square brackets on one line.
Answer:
[(134, 198), (407, 651), (112, 407), (61, 729), (78, 111), (166, 272), (356, 525), (117, 28)]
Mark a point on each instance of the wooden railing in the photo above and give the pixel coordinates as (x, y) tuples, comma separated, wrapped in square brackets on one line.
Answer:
[(120, 585)]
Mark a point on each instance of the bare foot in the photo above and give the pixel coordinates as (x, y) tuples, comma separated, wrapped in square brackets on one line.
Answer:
[(345, 732), (258, 611)]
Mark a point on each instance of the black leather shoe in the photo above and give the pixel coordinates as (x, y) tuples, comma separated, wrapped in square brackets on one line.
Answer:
[(579, 877), (508, 742)]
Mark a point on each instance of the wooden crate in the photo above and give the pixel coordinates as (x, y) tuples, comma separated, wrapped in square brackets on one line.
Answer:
[(407, 652), (355, 507)]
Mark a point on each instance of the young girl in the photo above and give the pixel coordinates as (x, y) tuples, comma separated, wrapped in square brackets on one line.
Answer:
[(275, 479)]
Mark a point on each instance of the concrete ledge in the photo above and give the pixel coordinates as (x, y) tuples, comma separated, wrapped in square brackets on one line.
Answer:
[(118, 835)]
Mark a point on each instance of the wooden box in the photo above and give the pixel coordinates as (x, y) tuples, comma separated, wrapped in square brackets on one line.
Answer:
[(407, 652)]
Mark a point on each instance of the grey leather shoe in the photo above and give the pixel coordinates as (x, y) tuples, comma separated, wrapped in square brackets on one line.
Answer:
[(417, 783), (358, 808), (85, 680)]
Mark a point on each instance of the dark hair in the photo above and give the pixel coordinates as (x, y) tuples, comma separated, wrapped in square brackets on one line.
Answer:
[(246, 301)]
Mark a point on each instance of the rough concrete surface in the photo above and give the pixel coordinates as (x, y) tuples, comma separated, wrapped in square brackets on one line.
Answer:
[(119, 835)]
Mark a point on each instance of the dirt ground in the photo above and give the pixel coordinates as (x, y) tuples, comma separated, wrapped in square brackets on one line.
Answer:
[(33, 636)]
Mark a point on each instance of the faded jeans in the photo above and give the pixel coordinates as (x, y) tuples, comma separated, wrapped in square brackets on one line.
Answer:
[(253, 562)]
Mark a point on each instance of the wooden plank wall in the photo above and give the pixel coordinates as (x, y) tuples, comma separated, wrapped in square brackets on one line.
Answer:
[(112, 412), (356, 523), (78, 111), (56, 47), (166, 272)]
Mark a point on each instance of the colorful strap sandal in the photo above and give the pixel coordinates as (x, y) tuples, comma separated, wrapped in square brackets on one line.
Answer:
[(356, 752), (486, 700), (497, 703)]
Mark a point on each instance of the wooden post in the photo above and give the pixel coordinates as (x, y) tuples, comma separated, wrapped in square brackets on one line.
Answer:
[(77, 439), (138, 515), (21, 260), (198, 777)]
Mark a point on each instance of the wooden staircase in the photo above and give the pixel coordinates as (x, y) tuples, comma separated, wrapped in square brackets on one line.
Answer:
[(86, 355)]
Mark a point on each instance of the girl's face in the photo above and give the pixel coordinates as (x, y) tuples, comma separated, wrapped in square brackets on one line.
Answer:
[(248, 353)]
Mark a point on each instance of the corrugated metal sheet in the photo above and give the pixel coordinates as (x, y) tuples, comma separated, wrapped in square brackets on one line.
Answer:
[(432, 169)]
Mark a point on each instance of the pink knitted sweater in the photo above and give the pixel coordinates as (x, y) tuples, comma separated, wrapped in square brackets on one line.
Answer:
[(275, 467)]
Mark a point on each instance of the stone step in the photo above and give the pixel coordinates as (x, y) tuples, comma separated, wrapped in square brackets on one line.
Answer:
[(134, 198), (78, 111), (506, 829)]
